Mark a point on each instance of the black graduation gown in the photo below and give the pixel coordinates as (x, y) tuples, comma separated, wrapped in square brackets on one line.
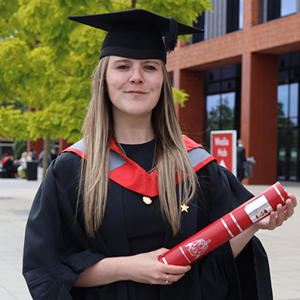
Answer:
[(57, 247)]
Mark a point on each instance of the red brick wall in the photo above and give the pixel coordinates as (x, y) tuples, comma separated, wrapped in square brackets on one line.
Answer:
[(37, 146), (251, 13), (274, 37), (191, 117)]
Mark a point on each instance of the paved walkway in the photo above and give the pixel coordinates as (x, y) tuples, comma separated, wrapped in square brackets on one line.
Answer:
[(283, 248), (15, 200), (282, 245)]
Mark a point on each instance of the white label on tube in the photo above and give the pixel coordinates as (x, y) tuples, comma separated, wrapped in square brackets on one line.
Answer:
[(258, 209)]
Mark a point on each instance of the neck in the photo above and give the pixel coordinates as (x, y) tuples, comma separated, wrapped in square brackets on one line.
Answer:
[(133, 130)]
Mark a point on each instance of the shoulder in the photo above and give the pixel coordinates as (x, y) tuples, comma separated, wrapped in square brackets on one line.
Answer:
[(199, 157), (65, 162), (66, 168), (219, 184)]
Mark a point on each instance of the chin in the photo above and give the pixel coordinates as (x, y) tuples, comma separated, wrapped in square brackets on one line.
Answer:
[(139, 113)]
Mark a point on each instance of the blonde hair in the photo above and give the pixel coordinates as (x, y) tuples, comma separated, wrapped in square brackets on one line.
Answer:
[(172, 160)]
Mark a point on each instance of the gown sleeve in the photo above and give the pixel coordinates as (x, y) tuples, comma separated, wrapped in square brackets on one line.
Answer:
[(247, 276), (56, 247)]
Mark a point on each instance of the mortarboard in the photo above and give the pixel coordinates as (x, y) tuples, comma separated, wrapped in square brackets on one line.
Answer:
[(137, 33)]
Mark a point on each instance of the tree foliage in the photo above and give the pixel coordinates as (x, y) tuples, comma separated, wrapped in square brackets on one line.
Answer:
[(46, 61)]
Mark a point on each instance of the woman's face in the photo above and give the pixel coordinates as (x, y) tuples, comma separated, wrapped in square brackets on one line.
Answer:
[(134, 86)]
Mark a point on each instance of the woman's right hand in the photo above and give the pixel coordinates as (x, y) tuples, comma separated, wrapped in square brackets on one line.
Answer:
[(146, 268), (143, 268)]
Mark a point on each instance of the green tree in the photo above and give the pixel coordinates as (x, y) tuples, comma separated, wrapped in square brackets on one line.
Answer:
[(46, 62), (19, 147)]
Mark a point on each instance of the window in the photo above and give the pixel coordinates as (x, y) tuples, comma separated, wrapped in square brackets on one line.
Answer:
[(288, 117), (234, 15), (225, 17), (199, 23), (222, 98), (220, 111), (280, 8), (288, 7), (288, 105), (241, 14)]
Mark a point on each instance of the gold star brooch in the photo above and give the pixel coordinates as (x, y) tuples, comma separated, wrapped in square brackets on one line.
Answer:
[(185, 208)]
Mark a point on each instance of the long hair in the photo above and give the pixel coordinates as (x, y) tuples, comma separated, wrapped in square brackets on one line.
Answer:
[(172, 161)]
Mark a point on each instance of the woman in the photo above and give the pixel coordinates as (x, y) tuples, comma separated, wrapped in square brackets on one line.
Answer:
[(25, 157), (97, 225)]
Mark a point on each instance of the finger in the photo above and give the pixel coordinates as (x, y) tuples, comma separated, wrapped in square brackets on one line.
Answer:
[(176, 270), (293, 198), (280, 215), (168, 279), (272, 220), (289, 209)]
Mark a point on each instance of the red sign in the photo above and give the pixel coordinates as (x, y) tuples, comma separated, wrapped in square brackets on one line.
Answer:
[(223, 148)]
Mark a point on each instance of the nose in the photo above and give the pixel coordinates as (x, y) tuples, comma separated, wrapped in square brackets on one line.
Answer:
[(136, 75)]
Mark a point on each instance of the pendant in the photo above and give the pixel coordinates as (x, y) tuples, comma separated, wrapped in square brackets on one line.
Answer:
[(147, 200)]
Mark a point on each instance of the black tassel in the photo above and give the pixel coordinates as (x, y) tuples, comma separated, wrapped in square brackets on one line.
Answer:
[(171, 36)]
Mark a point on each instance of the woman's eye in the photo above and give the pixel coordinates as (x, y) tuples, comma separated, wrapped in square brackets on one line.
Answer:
[(122, 67), (150, 67)]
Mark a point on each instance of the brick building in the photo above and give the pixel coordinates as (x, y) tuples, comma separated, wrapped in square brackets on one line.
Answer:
[(243, 73)]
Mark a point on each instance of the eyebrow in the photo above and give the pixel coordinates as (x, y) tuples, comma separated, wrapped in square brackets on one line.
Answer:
[(124, 60), (120, 60), (152, 62)]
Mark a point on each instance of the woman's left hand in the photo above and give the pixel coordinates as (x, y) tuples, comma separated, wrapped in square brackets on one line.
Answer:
[(276, 218)]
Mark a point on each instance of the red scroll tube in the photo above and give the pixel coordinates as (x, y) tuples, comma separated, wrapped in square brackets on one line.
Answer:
[(225, 228)]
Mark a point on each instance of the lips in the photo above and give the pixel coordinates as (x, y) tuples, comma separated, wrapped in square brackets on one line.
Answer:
[(135, 92)]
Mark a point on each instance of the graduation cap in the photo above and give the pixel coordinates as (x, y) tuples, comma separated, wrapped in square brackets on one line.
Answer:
[(137, 33)]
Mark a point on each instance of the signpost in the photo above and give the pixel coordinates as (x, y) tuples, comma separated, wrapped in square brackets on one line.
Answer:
[(223, 148)]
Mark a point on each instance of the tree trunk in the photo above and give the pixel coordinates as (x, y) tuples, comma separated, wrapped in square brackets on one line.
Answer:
[(133, 3), (46, 155)]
